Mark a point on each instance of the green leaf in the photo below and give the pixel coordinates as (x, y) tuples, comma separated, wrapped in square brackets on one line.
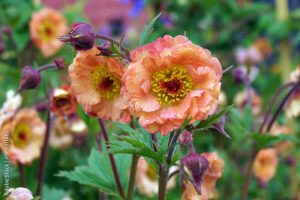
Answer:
[(213, 118), (98, 172), (147, 30), (137, 142), (266, 140), (52, 193)]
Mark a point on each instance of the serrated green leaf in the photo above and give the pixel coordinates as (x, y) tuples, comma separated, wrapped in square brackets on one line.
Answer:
[(147, 30), (98, 172)]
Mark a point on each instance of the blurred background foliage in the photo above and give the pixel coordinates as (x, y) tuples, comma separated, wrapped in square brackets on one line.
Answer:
[(222, 26)]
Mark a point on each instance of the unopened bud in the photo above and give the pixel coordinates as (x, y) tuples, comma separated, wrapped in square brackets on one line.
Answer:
[(239, 75), (185, 137), (104, 49), (81, 37), (30, 78), (193, 167), (60, 63)]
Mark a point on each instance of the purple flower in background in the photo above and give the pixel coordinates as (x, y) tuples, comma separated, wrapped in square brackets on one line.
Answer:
[(166, 20), (137, 6)]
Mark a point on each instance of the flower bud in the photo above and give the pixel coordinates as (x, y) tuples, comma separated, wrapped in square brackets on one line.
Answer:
[(239, 75), (104, 49), (60, 63), (193, 167), (220, 126), (290, 161), (30, 78), (185, 137), (81, 37)]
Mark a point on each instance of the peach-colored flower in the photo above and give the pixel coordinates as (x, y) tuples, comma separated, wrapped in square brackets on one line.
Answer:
[(265, 164), (65, 128), (169, 80), (276, 130), (216, 167), (190, 193), (63, 101), (25, 134), (241, 101), (147, 180), (96, 82), (263, 46), (45, 28)]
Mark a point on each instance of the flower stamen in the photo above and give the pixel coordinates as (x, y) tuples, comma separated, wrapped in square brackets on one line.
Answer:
[(171, 85), (107, 84)]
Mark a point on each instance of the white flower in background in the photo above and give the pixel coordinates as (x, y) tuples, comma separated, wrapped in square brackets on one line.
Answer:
[(20, 194), (292, 108), (147, 179), (12, 103)]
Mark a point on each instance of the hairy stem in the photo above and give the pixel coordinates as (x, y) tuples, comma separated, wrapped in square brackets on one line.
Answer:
[(44, 153), (112, 160)]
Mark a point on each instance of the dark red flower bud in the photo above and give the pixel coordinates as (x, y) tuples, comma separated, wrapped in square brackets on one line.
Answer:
[(239, 75), (81, 37), (30, 78), (193, 168), (60, 63), (290, 161), (104, 49)]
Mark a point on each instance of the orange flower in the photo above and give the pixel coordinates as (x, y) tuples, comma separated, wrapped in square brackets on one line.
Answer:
[(265, 164), (96, 82), (169, 80), (276, 130), (263, 46), (241, 101), (45, 27), (22, 136), (190, 193), (63, 101)]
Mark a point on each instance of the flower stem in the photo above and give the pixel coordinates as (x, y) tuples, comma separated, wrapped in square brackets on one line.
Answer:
[(44, 153), (22, 175), (164, 169), (123, 48), (48, 66), (253, 154), (133, 170), (99, 144), (162, 182), (112, 160)]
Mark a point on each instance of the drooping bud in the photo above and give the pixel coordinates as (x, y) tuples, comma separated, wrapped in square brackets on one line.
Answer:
[(239, 75), (30, 78), (60, 63), (193, 168), (104, 49), (81, 37), (219, 126)]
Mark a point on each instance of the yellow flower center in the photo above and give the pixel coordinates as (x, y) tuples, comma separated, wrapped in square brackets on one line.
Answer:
[(47, 30), (106, 83), (171, 85), (21, 135)]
